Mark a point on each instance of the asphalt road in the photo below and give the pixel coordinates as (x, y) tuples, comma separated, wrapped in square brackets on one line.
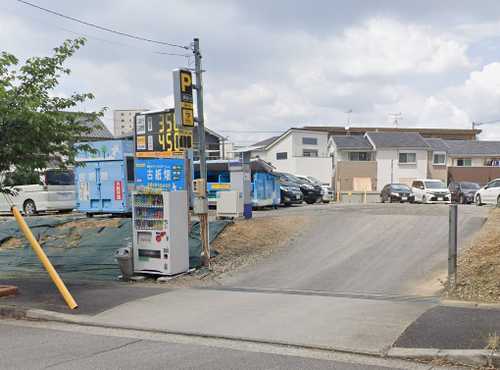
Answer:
[(23, 346), (387, 249)]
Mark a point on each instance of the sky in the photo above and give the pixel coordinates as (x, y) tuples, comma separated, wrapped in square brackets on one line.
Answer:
[(272, 65)]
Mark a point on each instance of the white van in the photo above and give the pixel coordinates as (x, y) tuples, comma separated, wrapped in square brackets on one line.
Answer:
[(430, 191), (54, 192)]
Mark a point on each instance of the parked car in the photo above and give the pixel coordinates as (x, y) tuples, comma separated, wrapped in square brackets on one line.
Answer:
[(290, 192), (310, 192), (489, 194), (397, 193), (430, 191), (50, 190), (463, 191), (326, 190)]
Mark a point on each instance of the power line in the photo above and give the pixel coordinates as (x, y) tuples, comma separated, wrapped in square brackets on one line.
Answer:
[(125, 34), (252, 131)]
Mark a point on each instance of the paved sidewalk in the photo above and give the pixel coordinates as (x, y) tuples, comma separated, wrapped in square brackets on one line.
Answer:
[(368, 326)]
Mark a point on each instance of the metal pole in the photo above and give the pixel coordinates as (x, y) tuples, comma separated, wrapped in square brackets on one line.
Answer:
[(201, 150), (68, 298), (452, 245)]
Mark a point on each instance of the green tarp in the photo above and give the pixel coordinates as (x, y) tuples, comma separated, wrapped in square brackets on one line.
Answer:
[(79, 253)]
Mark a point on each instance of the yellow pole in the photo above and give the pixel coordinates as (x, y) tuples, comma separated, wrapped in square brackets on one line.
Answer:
[(45, 261), (364, 197)]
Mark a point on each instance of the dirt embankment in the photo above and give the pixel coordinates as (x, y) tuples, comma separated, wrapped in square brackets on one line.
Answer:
[(244, 242), (479, 265)]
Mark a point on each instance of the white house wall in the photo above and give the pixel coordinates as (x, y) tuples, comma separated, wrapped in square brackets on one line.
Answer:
[(321, 147), (320, 168), (284, 145), (388, 161)]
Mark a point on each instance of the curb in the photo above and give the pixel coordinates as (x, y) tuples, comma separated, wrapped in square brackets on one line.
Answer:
[(470, 357), (12, 312)]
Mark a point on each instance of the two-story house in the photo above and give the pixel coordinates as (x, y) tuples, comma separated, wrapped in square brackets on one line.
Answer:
[(297, 151)]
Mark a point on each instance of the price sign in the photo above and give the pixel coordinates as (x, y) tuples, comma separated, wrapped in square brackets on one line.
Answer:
[(156, 135)]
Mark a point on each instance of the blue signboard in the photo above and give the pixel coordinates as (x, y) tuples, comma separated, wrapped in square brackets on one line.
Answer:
[(165, 174), (106, 150)]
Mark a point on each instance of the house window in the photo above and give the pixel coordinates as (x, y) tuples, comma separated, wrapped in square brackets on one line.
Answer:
[(439, 159), (407, 158), (310, 152), (309, 141), (282, 155), (492, 162), (359, 156), (464, 162)]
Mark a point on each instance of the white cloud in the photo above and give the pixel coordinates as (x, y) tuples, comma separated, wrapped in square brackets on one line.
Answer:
[(263, 76), (386, 47)]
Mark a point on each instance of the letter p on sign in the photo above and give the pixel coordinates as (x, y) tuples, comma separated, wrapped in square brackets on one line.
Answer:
[(186, 82)]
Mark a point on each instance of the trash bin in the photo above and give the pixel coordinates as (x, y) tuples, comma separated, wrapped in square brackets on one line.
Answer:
[(124, 258)]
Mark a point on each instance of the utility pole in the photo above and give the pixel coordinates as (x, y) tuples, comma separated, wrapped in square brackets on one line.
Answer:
[(201, 150)]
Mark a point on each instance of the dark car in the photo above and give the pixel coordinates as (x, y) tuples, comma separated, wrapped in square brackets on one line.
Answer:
[(463, 191), (396, 193), (310, 192), (290, 193)]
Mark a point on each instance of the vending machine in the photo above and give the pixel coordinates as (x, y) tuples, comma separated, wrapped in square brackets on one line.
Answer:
[(160, 228)]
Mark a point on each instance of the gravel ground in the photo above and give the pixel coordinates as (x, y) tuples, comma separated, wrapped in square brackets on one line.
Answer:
[(479, 266)]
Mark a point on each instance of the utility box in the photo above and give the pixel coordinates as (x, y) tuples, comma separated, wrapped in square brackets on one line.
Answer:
[(160, 232), (230, 204), (104, 179)]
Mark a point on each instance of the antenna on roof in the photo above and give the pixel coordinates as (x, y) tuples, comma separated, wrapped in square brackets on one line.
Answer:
[(396, 117), (348, 126)]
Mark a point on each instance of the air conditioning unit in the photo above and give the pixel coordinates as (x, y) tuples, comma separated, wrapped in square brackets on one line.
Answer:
[(230, 204)]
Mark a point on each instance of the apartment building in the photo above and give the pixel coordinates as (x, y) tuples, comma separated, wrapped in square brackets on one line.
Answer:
[(369, 162), (123, 121), (465, 160)]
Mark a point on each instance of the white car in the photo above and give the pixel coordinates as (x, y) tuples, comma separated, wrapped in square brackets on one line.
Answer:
[(54, 192), (489, 194), (430, 191)]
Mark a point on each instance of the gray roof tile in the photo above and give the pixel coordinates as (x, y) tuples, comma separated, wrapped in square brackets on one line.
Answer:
[(437, 144), (266, 142), (473, 147), (398, 140), (351, 142)]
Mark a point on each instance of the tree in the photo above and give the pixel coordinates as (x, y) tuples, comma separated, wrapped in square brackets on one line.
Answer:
[(36, 128)]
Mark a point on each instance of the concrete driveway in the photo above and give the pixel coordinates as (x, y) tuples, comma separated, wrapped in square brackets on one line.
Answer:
[(377, 249)]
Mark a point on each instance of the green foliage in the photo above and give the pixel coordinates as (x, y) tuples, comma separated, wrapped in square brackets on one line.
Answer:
[(36, 129)]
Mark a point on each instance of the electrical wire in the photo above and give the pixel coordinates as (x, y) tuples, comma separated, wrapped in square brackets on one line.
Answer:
[(120, 33), (112, 42), (253, 131)]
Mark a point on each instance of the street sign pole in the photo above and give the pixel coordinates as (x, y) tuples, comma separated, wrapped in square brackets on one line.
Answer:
[(201, 151)]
